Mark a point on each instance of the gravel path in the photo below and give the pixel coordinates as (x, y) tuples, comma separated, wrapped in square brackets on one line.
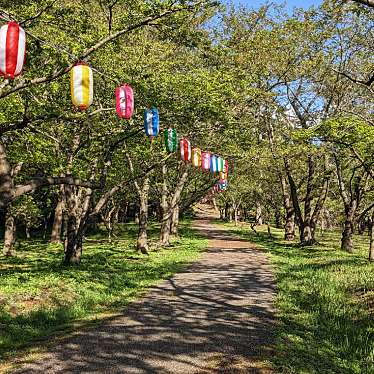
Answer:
[(215, 317)]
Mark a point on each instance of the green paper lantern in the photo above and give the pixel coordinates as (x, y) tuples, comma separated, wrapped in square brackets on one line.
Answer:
[(171, 140)]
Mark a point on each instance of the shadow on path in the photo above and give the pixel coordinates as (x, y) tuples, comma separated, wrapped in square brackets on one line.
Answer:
[(215, 317)]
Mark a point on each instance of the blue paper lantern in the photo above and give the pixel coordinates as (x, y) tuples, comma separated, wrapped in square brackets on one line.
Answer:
[(151, 122)]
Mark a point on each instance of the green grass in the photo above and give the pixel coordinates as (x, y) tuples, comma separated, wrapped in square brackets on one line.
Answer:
[(39, 297), (325, 304)]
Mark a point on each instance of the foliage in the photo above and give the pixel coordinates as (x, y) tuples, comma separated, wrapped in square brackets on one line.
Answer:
[(324, 302), (40, 297)]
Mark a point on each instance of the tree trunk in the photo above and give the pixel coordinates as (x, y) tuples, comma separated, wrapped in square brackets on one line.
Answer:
[(9, 235), (172, 216), (227, 208), (371, 247), (278, 217), (259, 220), (73, 242), (57, 222), (165, 220), (307, 234), (347, 235), (215, 204), (6, 179), (27, 229), (174, 227), (142, 241), (289, 226), (77, 203)]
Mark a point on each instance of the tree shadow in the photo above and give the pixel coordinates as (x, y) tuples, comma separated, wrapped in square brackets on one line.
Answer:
[(318, 332), (215, 316)]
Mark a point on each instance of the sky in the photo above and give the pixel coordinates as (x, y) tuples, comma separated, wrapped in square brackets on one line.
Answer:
[(290, 4)]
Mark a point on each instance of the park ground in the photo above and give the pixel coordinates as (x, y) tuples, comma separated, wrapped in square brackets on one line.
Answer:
[(324, 304)]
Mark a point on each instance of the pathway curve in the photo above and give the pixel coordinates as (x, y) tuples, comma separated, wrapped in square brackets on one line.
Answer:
[(214, 317)]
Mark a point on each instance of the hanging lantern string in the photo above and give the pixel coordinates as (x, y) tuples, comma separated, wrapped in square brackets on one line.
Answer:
[(6, 16), (70, 54)]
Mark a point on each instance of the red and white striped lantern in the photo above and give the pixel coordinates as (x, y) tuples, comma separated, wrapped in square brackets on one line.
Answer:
[(12, 49), (185, 147), (124, 101)]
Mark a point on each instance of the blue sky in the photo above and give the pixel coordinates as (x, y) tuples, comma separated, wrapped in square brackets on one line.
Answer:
[(289, 3)]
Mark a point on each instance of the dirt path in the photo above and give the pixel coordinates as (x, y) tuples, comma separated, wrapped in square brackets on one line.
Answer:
[(215, 317)]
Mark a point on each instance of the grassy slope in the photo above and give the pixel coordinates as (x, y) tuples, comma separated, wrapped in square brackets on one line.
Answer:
[(325, 304), (39, 296)]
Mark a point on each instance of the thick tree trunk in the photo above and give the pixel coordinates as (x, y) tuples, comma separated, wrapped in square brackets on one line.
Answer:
[(6, 178), (259, 219), (9, 235), (73, 242), (57, 222), (174, 227), (347, 234), (142, 241), (172, 216), (77, 203), (289, 226), (307, 234)]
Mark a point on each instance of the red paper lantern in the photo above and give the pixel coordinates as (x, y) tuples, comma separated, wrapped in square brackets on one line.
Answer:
[(124, 101), (185, 148), (12, 49)]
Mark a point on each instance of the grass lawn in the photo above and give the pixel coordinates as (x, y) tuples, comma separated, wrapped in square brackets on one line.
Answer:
[(325, 304), (39, 297)]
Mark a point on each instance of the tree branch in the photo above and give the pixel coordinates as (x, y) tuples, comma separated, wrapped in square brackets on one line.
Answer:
[(51, 181), (105, 198), (368, 3), (63, 70)]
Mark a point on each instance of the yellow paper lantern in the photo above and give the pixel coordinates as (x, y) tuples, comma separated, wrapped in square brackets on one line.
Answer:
[(196, 157), (81, 85)]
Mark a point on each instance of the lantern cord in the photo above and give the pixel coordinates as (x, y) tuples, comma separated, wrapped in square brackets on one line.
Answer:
[(70, 54)]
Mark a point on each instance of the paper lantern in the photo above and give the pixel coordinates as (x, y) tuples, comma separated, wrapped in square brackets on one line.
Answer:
[(196, 157), (214, 164), (151, 122), (170, 139), (185, 147), (124, 101), (12, 49), (222, 184), (226, 168), (81, 85), (222, 175), (221, 163), (205, 161)]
